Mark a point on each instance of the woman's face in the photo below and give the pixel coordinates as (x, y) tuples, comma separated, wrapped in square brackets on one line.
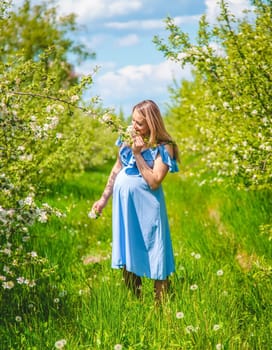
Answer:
[(139, 124)]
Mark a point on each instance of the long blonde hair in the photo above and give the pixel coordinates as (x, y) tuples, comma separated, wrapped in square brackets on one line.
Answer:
[(158, 133)]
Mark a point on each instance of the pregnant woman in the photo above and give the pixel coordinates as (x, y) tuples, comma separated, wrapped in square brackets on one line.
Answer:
[(141, 241)]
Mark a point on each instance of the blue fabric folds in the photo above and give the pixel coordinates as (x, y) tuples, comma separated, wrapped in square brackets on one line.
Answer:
[(141, 234), (150, 154)]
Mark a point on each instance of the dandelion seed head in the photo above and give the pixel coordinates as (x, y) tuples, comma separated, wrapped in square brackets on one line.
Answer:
[(59, 344), (220, 273), (118, 347), (194, 287), (179, 314), (216, 327), (18, 319)]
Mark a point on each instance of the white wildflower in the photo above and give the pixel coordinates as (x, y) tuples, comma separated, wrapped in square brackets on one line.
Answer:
[(6, 269), (8, 285), (118, 347), (32, 284), (59, 344), (190, 329), (20, 280), (220, 273), (194, 287), (93, 214), (18, 319), (6, 251), (33, 254), (179, 314), (216, 327)]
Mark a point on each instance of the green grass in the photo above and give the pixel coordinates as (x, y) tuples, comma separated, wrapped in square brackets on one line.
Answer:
[(219, 248)]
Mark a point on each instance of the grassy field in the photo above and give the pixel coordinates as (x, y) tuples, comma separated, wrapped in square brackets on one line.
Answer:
[(220, 294)]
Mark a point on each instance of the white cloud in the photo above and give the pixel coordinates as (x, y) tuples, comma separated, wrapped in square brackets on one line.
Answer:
[(94, 9), (139, 24), (236, 7), (179, 20), (128, 40), (150, 24), (134, 83)]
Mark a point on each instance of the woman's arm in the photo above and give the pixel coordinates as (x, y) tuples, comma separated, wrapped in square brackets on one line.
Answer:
[(99, 205), (153, 176)]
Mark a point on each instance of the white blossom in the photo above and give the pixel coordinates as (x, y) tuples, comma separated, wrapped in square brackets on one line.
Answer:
[(20, 280), (59, 344), (8, 285), (74, 98)]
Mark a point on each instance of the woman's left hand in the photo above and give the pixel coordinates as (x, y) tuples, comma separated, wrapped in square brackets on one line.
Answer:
[(138, 144)]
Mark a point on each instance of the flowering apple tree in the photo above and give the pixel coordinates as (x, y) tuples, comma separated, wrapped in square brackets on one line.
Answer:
[(46, 131), (223, 116)]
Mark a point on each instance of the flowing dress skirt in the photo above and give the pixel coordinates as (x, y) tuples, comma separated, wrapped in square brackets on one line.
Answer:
[(141, 235)]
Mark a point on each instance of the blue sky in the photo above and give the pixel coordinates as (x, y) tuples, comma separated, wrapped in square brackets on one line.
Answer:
[(120, 32)]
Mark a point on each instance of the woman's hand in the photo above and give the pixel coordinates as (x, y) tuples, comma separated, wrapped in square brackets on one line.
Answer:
[(138, 144), (98, 206)]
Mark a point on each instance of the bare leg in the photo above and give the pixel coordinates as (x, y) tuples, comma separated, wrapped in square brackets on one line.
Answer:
[(160, 289), (133, 282)]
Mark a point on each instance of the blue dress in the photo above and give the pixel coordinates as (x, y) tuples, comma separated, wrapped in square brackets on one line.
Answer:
[(141, 235)]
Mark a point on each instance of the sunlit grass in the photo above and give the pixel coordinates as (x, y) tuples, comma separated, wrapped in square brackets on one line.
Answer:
[(220, 295)]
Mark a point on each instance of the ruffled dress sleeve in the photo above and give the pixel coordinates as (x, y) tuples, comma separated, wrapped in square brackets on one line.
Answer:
[(166, 158), (119, 142)]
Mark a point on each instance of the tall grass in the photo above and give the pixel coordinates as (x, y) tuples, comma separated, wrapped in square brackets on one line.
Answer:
[(220, 295)]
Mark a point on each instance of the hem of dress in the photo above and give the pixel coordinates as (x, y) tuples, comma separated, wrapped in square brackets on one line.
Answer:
[(118, 267)]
